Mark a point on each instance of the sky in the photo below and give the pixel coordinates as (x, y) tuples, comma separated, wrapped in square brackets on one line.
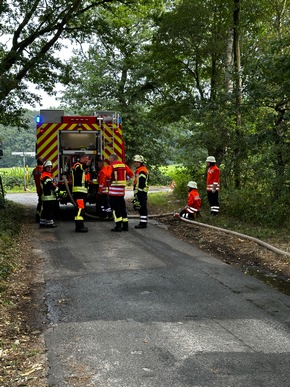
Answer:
[(47, 100)]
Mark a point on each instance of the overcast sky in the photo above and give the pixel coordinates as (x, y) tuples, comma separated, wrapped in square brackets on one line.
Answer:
[(47, 100)]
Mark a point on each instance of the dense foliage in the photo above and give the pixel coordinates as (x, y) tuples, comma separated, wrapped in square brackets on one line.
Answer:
[(19, 141)]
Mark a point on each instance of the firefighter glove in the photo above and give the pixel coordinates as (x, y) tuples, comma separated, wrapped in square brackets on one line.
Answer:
[(136, 204), (62, 194)]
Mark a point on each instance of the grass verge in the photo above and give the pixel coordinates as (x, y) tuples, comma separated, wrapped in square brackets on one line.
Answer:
[(11, 215)]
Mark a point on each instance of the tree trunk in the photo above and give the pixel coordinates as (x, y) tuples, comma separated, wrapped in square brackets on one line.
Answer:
[(238, 90)]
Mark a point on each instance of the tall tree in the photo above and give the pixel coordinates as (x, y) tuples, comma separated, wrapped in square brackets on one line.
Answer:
[(113, 74), (267, 90), (190, 55), (30, 40), (238, 92)]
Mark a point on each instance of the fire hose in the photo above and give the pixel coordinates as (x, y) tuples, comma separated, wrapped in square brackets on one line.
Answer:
[(258, 241), (69, 194)]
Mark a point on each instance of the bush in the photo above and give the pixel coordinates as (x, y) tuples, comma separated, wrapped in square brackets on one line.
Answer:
[(181, 176), (255, 207), (157, 177)]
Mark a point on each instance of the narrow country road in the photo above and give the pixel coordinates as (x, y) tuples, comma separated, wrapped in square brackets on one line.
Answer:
[(142, 308)]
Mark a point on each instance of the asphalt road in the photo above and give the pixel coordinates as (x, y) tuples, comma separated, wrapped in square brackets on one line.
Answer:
[(145, 309)]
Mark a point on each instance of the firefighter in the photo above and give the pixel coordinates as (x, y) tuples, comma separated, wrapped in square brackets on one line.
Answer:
[(36, 174), (117, 174), (49, 192), (213, 184), (102, 205), (80, 190), (141, 190), (192, 209)]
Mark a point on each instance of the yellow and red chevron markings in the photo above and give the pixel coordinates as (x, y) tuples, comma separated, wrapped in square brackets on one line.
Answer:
[(48, 135)]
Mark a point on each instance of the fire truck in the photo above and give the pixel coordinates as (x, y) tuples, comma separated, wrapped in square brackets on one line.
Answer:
[(62, 138)]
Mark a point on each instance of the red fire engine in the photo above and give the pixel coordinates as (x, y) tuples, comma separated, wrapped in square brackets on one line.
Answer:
[(62, 139)]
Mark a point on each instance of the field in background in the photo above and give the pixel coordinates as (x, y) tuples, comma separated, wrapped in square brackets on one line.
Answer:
[(17, 179)]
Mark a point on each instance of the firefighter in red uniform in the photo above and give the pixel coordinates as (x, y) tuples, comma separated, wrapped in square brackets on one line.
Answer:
[(80, 190), (141, 190), (49, 191), (117, 174), (213, 184), (102, 205), (191, 211), (36, 174)]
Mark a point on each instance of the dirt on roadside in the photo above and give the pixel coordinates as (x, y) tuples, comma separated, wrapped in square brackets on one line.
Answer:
[(246, 255), (23, 317)]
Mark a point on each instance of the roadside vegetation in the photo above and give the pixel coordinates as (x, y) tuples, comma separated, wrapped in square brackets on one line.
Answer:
[(12, 216), (22, 359), (17, 179)]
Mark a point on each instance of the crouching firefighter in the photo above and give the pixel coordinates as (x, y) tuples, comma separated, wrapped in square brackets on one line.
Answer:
[(80, 190), (192, 209), (141, 190)]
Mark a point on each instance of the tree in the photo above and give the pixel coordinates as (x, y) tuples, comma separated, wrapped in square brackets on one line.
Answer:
[(189, 56), (113, 75), (18, 140), (267, 92), (31, 33)]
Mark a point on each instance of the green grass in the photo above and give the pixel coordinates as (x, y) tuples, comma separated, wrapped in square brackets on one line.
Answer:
[(15, 179), (11, 215)]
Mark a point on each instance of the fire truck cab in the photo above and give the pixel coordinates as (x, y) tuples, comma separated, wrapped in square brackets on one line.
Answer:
[(62, 138)]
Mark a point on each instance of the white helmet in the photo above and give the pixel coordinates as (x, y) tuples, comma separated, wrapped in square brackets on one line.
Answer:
[(47, 163), (210, 159), (192, 184), (139, 158)]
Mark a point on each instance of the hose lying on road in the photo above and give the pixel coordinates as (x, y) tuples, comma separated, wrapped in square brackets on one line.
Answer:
[(69, 194), (73, 201), (258, 241)]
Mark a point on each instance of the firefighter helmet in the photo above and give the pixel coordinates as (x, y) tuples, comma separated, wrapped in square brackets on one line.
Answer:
[(139, 158), (211, 159), (192, 184), (47, 163)]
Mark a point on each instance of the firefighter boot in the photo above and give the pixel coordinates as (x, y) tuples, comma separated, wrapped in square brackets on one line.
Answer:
[(118, 227), (141, 225), (80, 227), (125, 226)]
